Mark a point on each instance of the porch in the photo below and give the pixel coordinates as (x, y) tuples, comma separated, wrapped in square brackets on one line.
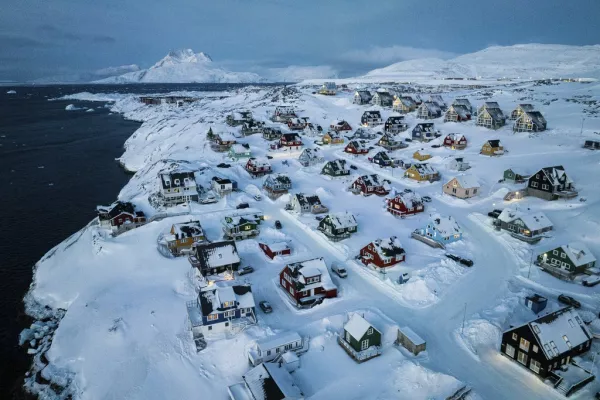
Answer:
[(570, 378)]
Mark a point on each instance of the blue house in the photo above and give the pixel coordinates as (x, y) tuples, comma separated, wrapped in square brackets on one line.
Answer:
[(424, 131), (442, 229), (222, 308)]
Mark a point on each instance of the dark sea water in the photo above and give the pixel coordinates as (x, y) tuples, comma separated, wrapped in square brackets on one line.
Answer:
[(55, 167)]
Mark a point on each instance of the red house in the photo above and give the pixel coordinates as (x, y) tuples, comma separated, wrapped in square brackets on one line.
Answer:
[(371, 184), (340, 125), (256, 167), (383, 253), (406, 203), (296, 124), (307, 282), (455, 141), (357, 147), (290, 141), (119, 214), (272, 250)]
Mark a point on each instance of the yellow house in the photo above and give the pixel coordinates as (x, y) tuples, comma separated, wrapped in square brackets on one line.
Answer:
[(183, 235), (421, 155), (492, 148), (422, 172), (333, 138)]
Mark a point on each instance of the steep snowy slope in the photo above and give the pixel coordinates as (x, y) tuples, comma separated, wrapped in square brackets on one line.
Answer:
[(537, 61), (184, 66)]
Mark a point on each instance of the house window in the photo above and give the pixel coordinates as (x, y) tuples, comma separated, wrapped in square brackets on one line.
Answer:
[(370, 331), (347, 337), (563, 255), (364, 344), (510, 351), (229, 314), (544, 186), (210, 328), (555, 252), (474, 191), (212, 317), (535, 366), (524, 344), (535, 348), (268, 352), (291, 290), (226, 323), (282, 282), (522, 357)]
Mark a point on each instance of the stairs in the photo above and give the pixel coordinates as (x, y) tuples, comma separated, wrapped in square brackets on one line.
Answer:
[(563, 387)]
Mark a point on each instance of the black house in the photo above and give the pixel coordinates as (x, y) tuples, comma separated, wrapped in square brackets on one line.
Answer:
[(395, 124), (548, 343), (371, 118), (550, 183), (215, 258)]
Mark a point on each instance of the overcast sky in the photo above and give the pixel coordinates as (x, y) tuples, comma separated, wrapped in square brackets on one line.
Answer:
[(42, 38)]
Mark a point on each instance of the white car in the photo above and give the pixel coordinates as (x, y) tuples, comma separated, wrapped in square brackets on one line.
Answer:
[(339, 270)]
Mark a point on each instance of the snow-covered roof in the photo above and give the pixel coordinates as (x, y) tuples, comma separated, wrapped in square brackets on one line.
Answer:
[(455, 137), (409, 199), (357, 326), (437, 98), (461, 110), (278, 246), (342, 220), (311, 153), (373, 180), (259, 162), (269, 381), (372, 113), (310, 200), (462, 102), (526, 107), (177, 178), (424, 169), (423, 152), (578, 253), (281, 179), (337, 165), (365, 95), (495, 113), (388, 247), (494, 143), (445, 225), (358, 144), (536, 117), (556, 175), (338, 122), (534, 221), (188, 229), (214, 298), (237, 220), (412, 336), (490, 104), (271, 342), (467, 181), (216, 254), (560, 331), (239, 149), (425, 126), (433, 107)]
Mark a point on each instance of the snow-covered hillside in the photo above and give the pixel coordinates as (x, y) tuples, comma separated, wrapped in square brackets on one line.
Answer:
[(524, 61), (184, 66)]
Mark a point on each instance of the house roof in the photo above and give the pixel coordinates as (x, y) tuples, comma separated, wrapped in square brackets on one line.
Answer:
[(286, 110), (425, 126), (433, 107), (388, 247), (277, 246), (358, 144), (385, 95), (556, 174), (269, 381), (212, 298), (424, 168), (226, 136), (330, 85), (445, 225), (221, 181), (373, 180), (270, 342), (422, 152), (177, 179), (312, 267), (188, 229), (239, 149), (338, 122), (462, 102), (216, 254), (533, 221), (310, 200), (365, 95), (383, 155), (290, 137), (407, 101), (409, 199), (357, 326), (494, 143), (495, 113), (342, 220), (337, 165), (466, 181), (578, 253), (455, 137), (559, 331), (526, 107), (232, 221), (280, 179), (311, 153), (490, 104), (462, 110), (395, 119), (437, 98), (272, 130), (259, 162), (412, 336), (536, 117), (116, 208), (372, 113)]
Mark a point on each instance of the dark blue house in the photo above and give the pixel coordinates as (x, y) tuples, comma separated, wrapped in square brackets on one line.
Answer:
[(424, 131)]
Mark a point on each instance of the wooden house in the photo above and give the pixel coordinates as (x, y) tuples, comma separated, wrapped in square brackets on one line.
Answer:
[(120, 214), (457, 113), (371, 184), (382, 98), (429, 110), (459, 164), (520, 110), (395, 124), (222, 186), (422, 155), (442, 229), (240, 227), (362, 97), (223, 141), (275, 249), (335, 168), (405, 203), (511, 176), (404, 104), (462, 186), (492, 148), (383, 253), (272, 347), (437, 98), (307, 282), (546, 347), (338, 226), (332, 138), (382, 159), (310, 157), (211, 258), (276, 185), (464, 102), (424, 132), (551, 183), (567, 261), (238, 152), (528, 227), (422, 172), (391, 142), (290, 141), (357, 147), (177, 187), (486, 105), (302, 204), (410, 340), (266, 381), (360, 339), (328, 89), (455, 141), (371, 118), (489, 115), (252, 127), (182, 236), (530, 121), (363, 133), (237, 118), (283, 113), (339, 126), (296, 124), (256, 167), (270, 133)]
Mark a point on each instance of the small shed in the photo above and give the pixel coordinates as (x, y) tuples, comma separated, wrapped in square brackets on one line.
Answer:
[(592, 144), (536, 303), (272, 347), (410, 340), (290, 361), (275, 249)]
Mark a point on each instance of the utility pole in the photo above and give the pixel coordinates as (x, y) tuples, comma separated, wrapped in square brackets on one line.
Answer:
[(581, 132), (464, 317), (530, 262)]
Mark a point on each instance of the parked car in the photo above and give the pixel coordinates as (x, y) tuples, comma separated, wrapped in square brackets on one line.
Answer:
[(426, 199), (494, 213), (339, 270), (319, 217), (463, 261), (408, 140), (568, 300), (407, 190), (223, 165), (242, 205), (591, 280), (245, 270), (265, 307), (435, 146), (353, 166), (278, 224), (270, 157)]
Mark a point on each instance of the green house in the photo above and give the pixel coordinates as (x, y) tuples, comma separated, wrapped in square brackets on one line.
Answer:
[(360, 339), (512, 176), (567, 260), (238, 152), (335, 168), (240, 227)]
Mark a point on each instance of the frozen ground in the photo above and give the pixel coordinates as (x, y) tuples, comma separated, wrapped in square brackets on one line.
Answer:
[(124, 334)]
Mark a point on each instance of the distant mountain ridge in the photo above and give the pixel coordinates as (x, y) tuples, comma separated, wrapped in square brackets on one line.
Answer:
[(185, 66), (535, 61)]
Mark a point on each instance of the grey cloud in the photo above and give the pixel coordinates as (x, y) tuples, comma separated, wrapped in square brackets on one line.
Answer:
[(57, 33)]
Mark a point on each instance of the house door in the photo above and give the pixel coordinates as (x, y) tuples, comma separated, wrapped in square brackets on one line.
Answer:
[(364, 344)]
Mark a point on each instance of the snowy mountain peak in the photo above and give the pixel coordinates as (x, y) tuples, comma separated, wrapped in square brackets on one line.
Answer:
[(183, 56)]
